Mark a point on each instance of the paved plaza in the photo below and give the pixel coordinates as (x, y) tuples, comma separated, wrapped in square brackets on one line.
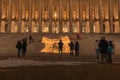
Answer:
[(8, 51), (50, 66)]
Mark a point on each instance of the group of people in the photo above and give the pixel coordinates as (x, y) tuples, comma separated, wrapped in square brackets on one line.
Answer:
[(102, 46), (21, 46), (72, 47), (105, 48)]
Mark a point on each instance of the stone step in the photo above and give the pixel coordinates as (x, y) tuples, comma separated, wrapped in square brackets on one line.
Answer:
[(8, 42)]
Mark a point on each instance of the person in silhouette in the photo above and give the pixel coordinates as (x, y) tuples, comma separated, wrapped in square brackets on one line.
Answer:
[(71, 46), (18, 46), (103, 45), (60, 45), (76, 48), (24, 48), (110, 51), (97, 49)]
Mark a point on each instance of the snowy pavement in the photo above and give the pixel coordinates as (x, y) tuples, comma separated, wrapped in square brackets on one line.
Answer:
[(14, 62)]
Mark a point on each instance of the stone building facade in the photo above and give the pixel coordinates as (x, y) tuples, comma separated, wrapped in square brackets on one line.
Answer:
[(59, 16)]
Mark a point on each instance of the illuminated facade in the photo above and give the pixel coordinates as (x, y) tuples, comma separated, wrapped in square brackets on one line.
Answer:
[(59, 16)]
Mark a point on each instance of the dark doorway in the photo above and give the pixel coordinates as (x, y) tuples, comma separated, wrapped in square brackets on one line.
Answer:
[(6, 26), (113, 27), (104, 28)]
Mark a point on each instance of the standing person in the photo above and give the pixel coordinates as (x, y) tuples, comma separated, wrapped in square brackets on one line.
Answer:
[(18, 46), (110, 51), (78, 36), (71, 45), (24, 46), (60, 45), (103, 45), (76, 48), (97, 50)]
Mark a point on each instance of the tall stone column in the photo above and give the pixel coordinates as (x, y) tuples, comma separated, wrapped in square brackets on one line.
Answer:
[(40, 16), (30, 16), (70, 17), (119, 13), (110, 16), (90, 17), (80, 15), (20, 17), (60, 16), (10, 16), (0, 13), (100, 17), (50, 16)]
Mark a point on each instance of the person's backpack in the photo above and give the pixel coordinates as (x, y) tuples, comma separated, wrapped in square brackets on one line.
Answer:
[(110, 49)]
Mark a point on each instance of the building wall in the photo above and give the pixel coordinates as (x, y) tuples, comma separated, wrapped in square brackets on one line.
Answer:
[(59, 16)]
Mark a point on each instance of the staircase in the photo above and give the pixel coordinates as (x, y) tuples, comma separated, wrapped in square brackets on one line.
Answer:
[(8, 42)]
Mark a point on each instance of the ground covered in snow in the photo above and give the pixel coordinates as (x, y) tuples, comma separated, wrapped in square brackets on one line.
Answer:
[(14, 62)]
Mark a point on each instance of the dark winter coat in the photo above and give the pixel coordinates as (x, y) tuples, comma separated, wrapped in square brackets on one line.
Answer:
[(103, 44)]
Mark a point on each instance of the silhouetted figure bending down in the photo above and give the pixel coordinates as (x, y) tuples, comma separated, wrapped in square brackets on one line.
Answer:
[(60, 45)]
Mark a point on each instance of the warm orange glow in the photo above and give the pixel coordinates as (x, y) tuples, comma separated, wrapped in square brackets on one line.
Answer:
[(17, 14), (93, 14), (65, 14), (83, 13), (45, 14), (51, 45), (55, 16), (6, 14), (36, 14), (62, 17), (74, 15), (103, 12), (26, 14)]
